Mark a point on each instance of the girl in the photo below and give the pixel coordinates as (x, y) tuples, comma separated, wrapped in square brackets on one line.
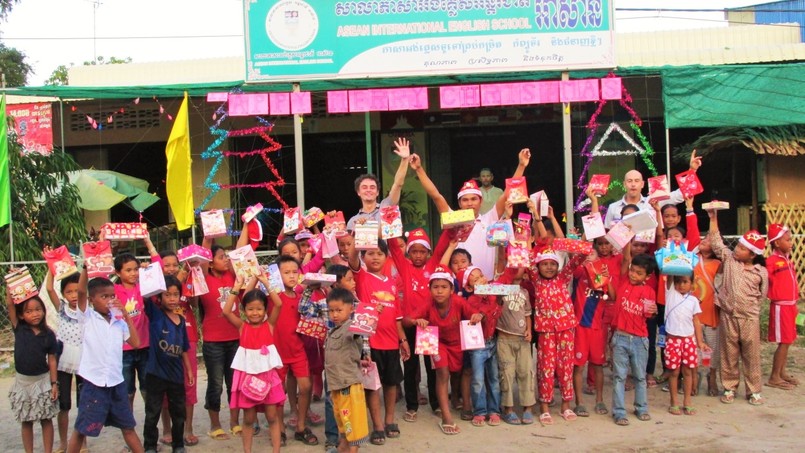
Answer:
[(746, 283), (256, 361), (311, 260), (127, 291), (34, 395), (783, 294)]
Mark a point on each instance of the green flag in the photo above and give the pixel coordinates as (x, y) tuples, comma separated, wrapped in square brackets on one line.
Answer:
[(5, 180)]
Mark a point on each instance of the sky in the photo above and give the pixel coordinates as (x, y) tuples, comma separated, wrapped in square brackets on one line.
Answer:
[(147, 30)]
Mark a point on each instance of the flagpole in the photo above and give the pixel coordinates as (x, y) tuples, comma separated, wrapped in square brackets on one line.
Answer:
[(10, 219)]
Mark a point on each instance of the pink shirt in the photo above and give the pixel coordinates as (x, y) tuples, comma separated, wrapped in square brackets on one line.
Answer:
[(132, 301)]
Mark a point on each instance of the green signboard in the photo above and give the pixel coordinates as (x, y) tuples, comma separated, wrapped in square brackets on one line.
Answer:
[(293, 40)]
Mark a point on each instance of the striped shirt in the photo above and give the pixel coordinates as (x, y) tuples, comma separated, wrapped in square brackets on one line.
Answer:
[(744, 288)]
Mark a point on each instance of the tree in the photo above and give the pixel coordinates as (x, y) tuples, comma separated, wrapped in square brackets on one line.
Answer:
[(5, 8), (59, 75), (13, 65)]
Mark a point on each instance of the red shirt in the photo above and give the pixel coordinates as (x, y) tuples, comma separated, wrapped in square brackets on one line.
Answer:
[(133, 303), (487, 306), (553, 309), (214, 327), (380, 291), (450, 324), (630, 316), (416, 293), (783, 285), (289, 345)]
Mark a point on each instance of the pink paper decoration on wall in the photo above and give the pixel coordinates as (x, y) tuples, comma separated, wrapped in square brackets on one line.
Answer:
[(300, 103), (217, 97), (248, 104), (408, 98), (279, 103), (337, 102), (460, 96), (380, 100), (360, 100), (611, 88), (583, 90)]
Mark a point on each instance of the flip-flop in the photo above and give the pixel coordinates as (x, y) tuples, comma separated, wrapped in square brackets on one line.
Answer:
[(449, 430), (392, 431), (494, 420), (581, 411), (218, 434), (601, 408), (623, 421), (791, 380), (782, 385), (466, 415), (512, 419), (569, 415), (166, 440), (644, 417), (190, 440), (422, 400), (728, 397), (674, 410), (478, 420), (236, 430), (689, 410), (756, 400), (528, 418), (546, 419), (410, 416), (314, 418)]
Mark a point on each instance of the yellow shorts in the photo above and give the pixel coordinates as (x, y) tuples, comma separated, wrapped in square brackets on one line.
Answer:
[(349, 406)]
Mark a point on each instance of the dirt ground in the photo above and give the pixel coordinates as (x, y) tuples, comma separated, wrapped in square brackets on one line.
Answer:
[(777, 426)]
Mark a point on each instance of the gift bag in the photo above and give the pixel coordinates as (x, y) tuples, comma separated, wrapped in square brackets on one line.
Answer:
[(124, 231), (60, 263), (335, 222), (251, 212), (98, 259), (199, 282), (499, 233), (472, 336), (187, 286), (620, 235), (194, 252), (689, 183), (517, 190), (593, 226), (658, 188), (370, 378), (522, 234), (390, 222), (674, 259), (329, 245), (313, 216), (594, 274), (517, 257), (152, 280), (540, 200), (365, 320), (599, 184), (366, 235), (274, 278), (244, 262), (21, 285), (427, 340), (572, 246), (292, 221), (454, 219), (312, 327), (213, 223)]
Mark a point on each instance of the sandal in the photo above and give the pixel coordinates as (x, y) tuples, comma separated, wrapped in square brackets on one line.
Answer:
[(450, 430), (674, 410), (782, 385), (218, 434), (236, 430), (478, 420), (392, 431), (689, 410), (546, 419), (422, 399), (581, 411), (601, 408), (728, 397), (644, 417), (528, 418), (512, 418), (623, 421), (190, 440), (756, 400), (494, 420), (651, 381), (377, 438), (466, 415), (314, 418), (410, 416), (166, 440), (569, 415), (307, 437)]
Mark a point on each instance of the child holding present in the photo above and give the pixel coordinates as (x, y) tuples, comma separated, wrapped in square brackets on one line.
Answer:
[(705, 290)]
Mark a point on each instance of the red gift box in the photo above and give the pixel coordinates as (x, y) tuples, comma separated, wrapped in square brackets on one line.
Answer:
[(124, 231), (427, 340), (312, 327), (658, 188), (599, 184), (335, 222), (21, 285), (572, 246), (194, 252), (98, 259), (689, 183), (517, 190), (366, 318), (595, 270), (60, 262)]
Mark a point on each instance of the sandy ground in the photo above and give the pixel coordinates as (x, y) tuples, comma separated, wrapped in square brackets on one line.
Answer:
[(717, 427)]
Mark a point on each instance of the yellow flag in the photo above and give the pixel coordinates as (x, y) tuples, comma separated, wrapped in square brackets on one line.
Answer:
[(179, 179)]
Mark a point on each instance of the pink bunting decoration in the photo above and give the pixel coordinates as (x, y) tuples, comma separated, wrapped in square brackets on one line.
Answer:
[(301, 103), (584, 90), (337, 102), (217, 97), (611, 88), (279, 103)]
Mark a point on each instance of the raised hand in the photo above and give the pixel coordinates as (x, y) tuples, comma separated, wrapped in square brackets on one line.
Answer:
[(524, 157), (695, 161), (415, 163), (402, 148)]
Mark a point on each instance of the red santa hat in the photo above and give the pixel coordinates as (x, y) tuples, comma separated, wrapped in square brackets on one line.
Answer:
[(776, 231), (470, 188), (417, 236), (547, 254), (463, 276), (255, 231), (754, 241), (441, 273)]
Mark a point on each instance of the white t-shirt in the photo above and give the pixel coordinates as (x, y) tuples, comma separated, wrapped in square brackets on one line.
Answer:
[(679, 312), (483, 255), (615, 208), (102, 354)]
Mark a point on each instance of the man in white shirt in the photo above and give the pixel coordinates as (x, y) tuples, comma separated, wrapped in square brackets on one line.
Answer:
[(489, 193)]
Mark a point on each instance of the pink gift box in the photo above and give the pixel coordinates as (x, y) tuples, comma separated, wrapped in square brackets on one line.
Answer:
[(472, 336), (599, 184), (335, 222), (593, 226), (658, 188), (365, 321), (244, 262), (21, 285), (689, 183), (620, 235), (152, 280), (124, 231), (427, 340), (251, 212), (60, 263), (329, 245), (213, 223), (540, 200), (517, 257), (316, 277), (98, 259), (194, 252), (517, 190)]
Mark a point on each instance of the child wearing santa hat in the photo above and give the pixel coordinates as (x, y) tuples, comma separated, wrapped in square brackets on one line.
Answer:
[(783, 294)]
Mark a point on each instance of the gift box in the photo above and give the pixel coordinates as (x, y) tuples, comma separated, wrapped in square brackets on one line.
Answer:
[(658, 188), (390, 222), (152, 280), (499, 233), (454, 219), (194, 252), (251, 212), (21, 285), (716, 206), (292, 221), (274, 278), (370, 378), (312, 278), (517, 257), (595, 271), (496, 289), (540, 200), (620, 235), (689, 183), (335, 222), (98, 259), (365, 319), (124, 231), (199, 283), (312, 327), (472, 336), (244, 262), (329, 244), (572, 246), (517, 190), (675, 259), (641, 220), (647, 236), (427, 340), (60, 263), (366, 235), (313, 216), (593, 226), (213, 223), (599, 185)]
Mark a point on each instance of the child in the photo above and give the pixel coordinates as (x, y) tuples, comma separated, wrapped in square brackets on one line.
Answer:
[(35, 392), (783, 294), (389, 344), (705, 290), (167, 366), (554, 320), (70, 335), (344, 355), (104, 395), (634, 301), (746, 283), (127, 291), (683, 336), (257, 362)]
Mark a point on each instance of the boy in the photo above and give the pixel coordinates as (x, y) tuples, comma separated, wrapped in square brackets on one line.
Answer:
[(783, 294), (633, 302), (344, 355), (104, 397)]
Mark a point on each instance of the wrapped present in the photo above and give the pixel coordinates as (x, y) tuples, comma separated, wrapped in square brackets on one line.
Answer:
[(274, 278), (292, 221), (499, 233), (472, 336), (199, 283), (572, 246), (517, 190), (620, 235), (329, 244), (658, 188), (213, 223), (194, 252), (517, 257), (689, 183), (370, 378), (366, 235), (641, 220), (335, 222), (599, 184), (312, 278), (98, 259), (152, 280), (675, 259), (427, 340), (595, 270), (365, 320), (454, 219), (522, 233), (21, 285), (540, 200), (251, 212), (124, 231), (313, 216), (496, 289), (716, 205), (647, 236), (60, 263), (593, 226), (312, 327), (390, 222), (244, 262)]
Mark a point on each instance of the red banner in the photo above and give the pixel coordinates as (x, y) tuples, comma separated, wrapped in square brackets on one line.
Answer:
[(33, 124)]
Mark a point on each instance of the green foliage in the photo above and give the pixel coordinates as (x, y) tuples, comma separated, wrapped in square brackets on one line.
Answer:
[(5, 8), (59, 75), (13, 65)]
